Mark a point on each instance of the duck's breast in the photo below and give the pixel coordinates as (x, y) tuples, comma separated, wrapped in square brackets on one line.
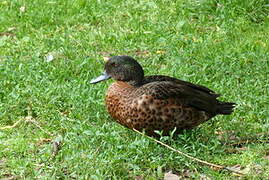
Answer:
[(118, 101)]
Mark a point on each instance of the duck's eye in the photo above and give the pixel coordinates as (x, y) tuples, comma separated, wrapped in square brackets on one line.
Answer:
[(113, 64)]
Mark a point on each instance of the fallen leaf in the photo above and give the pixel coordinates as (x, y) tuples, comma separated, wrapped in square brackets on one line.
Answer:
[(160, 52), (43, 141), (246, 170), (2, 162), (7, 34), (29, 118), (236, 150), (11, 29), (253, 168), (9, 177), (38, 166), (49, 58), (22, 9), (65, 113), (204, 177), (227, 136), (195, 39), (186, 174), (235, 168), (138, 178), (170, 176), (142, 53)]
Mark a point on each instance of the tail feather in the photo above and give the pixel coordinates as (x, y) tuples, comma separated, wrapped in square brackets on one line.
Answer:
[(225, 108)]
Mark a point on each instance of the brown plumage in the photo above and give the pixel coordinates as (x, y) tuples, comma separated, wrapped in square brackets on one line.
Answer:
[(157, 102)]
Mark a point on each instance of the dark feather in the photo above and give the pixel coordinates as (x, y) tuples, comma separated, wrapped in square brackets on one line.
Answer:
[(199, 97), (154, 78)]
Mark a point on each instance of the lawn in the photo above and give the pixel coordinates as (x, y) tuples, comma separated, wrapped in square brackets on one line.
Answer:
[(53, 123)]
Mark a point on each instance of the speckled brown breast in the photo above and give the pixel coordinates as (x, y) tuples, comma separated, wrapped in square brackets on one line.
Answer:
[(142, 111)]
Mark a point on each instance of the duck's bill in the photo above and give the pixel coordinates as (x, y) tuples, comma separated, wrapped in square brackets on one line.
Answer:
[(103, 77)]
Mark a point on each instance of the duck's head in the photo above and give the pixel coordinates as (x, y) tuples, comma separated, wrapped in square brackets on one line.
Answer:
[(122, 68)]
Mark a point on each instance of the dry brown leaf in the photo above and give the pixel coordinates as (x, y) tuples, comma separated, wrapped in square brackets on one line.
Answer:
[(235, 150), (138, 178), (43, 141), (7, 34), (9, 177), (227, 136), (186, 174), (65, 113), (160, 52), (237, 168), (170, 176), (142, 53), (253, 168)]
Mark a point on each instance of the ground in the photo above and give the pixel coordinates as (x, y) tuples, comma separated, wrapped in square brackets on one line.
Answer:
[(49, 50)]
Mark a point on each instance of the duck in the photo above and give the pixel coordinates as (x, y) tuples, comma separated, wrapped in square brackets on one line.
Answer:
[(157, 104)]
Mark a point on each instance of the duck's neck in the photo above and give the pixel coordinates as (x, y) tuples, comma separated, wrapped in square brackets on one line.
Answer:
[(120, 90), (135, 83), (134, 77)]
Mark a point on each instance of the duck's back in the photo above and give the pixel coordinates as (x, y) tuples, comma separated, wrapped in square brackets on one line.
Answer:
[(157, 78)]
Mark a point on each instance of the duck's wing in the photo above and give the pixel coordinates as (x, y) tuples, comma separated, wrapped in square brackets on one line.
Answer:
[(185, 94), (149, 79)]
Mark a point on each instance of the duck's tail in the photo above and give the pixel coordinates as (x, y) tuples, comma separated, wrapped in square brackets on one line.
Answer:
[(225, 108)]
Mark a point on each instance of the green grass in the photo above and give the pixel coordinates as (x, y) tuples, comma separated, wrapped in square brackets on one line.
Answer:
[(222, 44)]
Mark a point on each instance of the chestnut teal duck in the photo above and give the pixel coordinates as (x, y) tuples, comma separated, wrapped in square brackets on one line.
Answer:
[(163, 103)]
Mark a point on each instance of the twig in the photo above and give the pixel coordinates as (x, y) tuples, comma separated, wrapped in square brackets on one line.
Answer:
[(240, 143), (258, 138), (12, 126), (38, 126), (190, 157), (27, 119)]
